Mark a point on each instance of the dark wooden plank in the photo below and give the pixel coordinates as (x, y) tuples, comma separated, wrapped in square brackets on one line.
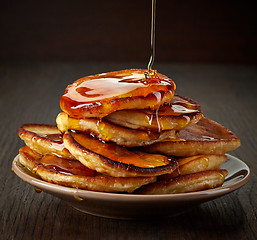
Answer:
[(30, 92)]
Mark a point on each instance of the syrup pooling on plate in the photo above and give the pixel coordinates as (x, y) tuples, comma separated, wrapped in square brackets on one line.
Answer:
[(101, 89), (120, 154)]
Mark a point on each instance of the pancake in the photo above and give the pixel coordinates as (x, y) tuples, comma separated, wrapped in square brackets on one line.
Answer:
[(74, 174), (44, 139), (124, 131), (114, 160), (110, 132), (187, 183), (204, 137), (196, 164), (101, 94), (176, 115)]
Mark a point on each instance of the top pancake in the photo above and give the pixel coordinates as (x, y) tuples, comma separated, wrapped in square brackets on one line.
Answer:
[(101, 94)]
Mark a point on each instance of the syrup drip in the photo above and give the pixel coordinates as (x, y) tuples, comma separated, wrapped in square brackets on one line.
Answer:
[(178, 107), (155, 113), (103, 130), (157, 120), (178, 171), (77, 197), (205, 162), (38, 190)]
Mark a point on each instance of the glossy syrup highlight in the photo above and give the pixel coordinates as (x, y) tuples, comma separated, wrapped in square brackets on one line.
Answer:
[(118, 153), (114, 85), (64, 166)]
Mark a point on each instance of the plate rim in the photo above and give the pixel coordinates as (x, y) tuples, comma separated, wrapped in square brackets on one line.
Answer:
[(45, 186)]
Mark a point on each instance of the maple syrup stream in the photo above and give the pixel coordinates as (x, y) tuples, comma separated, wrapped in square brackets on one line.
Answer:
[(150, 72)]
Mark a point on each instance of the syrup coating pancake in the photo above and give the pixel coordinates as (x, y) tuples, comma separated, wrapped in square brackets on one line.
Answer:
[(110, 132), (44, 139), (74, 174), (116, 161), (204, 137), (101, 94), (196, 164), (179, 113), (187, 183)]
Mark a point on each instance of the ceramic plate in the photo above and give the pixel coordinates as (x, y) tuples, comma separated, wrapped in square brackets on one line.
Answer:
[(130, 206)]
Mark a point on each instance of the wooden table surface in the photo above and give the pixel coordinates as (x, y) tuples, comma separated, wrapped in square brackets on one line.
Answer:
[(30, 92)]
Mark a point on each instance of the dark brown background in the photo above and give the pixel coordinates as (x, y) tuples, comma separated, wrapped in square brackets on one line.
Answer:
[(187, 31)]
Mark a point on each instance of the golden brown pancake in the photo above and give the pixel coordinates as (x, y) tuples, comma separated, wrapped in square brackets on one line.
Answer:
[(109, 118), (101, 94), (117, 161), (74, 174), (204, 137), (196, 164), (44, 139), (176, 115), (187, 183), (110, 132)]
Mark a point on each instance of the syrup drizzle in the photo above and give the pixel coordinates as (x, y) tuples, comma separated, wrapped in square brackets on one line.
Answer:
[(65, 166), (119, 153), (151, 73), (157, 120)]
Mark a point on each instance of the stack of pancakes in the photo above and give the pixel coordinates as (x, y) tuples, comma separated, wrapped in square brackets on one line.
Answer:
[(126, 131)]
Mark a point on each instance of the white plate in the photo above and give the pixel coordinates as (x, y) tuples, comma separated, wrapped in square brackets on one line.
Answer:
[(130, 206)]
